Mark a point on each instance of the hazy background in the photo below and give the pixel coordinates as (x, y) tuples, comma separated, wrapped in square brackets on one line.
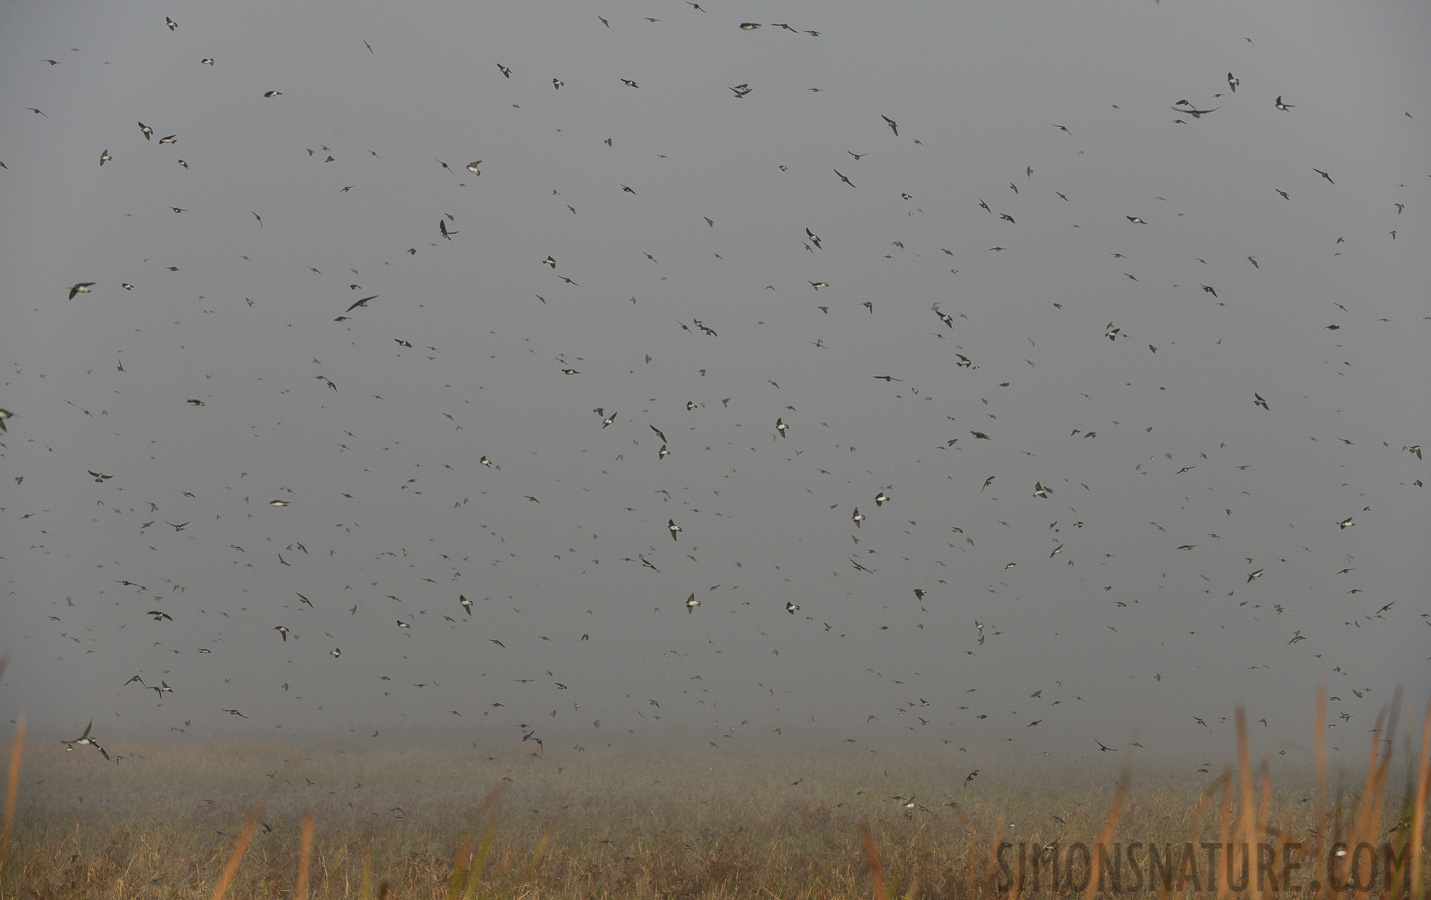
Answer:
[(1119, 637)]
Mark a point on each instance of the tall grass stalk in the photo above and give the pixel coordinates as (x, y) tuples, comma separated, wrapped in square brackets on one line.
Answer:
[(305, 852), (236, 857), (1418, 807), (12, 782), (872, 854), (1105, 834)]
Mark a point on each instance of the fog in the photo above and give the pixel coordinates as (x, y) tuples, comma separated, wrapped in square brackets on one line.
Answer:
[(1142, 390)]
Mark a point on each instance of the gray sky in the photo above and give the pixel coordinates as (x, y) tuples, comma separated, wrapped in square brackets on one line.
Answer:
[(1095, 623)]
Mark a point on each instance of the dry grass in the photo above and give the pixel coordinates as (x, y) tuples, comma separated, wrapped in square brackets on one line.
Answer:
[(180, 823)]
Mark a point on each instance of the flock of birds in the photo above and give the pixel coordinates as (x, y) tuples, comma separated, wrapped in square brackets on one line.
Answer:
[(968, 479)]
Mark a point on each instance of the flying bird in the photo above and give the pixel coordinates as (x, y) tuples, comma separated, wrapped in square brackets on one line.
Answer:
[(85, 740), (81, 288), (892, 126)]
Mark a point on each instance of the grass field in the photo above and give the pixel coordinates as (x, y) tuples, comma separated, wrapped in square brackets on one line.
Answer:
[(247, 821)]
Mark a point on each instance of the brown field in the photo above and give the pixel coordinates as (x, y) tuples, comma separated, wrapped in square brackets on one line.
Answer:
[(247, 821)]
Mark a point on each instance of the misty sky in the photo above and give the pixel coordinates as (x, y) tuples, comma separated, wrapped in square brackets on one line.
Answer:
[(711, 274)]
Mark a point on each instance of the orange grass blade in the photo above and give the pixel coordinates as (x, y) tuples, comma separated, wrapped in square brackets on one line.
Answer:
[(231, 867), (480, 854), (1319, 842), (480, 857), (1418, 809), (991, 862), (365, 887), (13, 781), (531, 869), (1105, 834), (872, 854), (459, 868), (1224, 829), (1368, 820), (913, 888), (1247, 813), (305, 850)]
